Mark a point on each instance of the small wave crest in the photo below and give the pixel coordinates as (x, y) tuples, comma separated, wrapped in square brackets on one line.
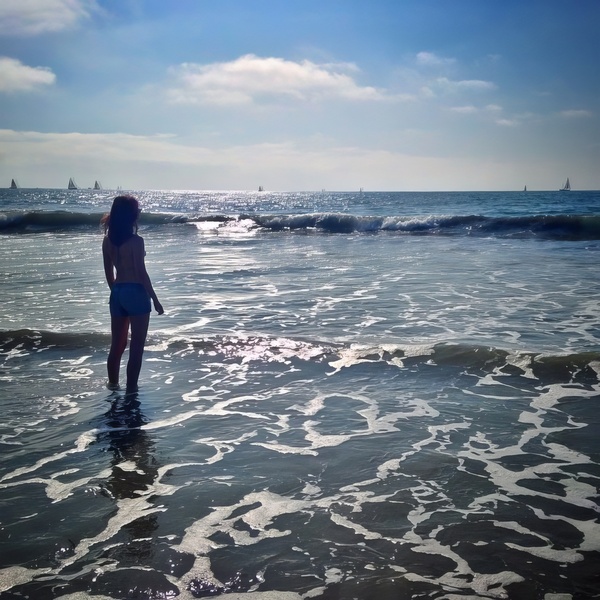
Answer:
[(248, 349), (42, 220), (33, 340), (32, 221)]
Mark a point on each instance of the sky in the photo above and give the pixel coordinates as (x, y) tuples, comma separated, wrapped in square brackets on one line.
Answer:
[(300, 95)]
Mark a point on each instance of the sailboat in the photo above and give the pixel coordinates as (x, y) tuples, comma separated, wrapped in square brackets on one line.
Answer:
[(97, 185), (261, 188), (566, 187), (72, 185), (14, 185), (525, 189)]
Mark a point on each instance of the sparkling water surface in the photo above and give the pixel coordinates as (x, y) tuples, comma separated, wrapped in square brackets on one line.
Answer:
[(349, 396)]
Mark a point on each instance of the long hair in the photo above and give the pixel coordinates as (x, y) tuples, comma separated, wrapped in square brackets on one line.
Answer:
[(121, 223)]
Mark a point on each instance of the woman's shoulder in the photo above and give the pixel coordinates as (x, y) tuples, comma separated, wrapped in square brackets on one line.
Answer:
[(137, 244), (135, 240)]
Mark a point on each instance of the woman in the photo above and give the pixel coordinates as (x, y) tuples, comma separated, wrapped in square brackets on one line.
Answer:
[(130, 289)]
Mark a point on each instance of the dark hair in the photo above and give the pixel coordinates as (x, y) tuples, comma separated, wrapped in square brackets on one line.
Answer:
[(121, 223)]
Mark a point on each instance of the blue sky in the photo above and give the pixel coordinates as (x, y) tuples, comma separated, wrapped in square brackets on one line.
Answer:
[(300, 94)]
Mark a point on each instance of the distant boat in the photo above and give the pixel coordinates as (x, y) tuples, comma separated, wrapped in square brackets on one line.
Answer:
[(72, 185), (566, 187), (261, 188), (525, 189), (13, 184), (97, 185)]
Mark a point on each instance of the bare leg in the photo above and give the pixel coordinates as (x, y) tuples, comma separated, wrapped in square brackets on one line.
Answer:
[(119, 327), (139, 330)]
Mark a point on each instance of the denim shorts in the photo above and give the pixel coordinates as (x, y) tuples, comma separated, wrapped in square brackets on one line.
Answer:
[(129, 300)]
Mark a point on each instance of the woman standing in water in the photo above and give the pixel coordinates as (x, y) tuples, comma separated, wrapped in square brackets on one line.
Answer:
[(130, 289)]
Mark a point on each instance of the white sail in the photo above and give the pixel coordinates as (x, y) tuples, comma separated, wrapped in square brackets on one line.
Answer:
[(566, 187)]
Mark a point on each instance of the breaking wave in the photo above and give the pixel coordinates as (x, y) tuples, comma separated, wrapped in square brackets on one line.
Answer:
[(552, 227)]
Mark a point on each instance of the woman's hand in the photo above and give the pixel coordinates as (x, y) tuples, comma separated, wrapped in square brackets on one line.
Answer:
[(158, 307)]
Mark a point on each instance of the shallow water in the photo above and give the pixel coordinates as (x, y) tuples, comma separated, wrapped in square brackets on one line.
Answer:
[(368, 413)]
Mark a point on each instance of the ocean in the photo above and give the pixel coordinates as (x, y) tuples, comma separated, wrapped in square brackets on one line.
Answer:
[(349, 396)]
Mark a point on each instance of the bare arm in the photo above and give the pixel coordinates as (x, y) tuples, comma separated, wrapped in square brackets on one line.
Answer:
[(145, 278), (109, 269)]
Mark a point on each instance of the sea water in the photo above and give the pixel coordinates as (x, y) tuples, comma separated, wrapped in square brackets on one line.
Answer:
[(350, 395)]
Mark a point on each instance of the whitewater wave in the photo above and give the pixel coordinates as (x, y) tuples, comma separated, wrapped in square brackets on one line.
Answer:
[(559, 227)]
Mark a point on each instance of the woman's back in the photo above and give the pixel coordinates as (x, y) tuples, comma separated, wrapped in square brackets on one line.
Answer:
[(128, 259)]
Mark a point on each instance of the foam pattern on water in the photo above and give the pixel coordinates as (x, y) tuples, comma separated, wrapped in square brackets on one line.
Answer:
[(442, 470)]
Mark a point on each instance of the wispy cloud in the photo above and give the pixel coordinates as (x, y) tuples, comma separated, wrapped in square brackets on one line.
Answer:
[(492, 113), (469, 109), (464, 110), (428, 76), (251, 79), (447, 85), (17, 77), (429, 59), (32, 17), (443, 86), (576, 114)]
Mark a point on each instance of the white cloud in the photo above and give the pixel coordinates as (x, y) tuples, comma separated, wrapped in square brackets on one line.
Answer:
[(469, 109), (250, 79), (464, 110), (427, 92), (17, 77), (575, 114), (430, 59), (493, 112), (447, 85), (32, 17)]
